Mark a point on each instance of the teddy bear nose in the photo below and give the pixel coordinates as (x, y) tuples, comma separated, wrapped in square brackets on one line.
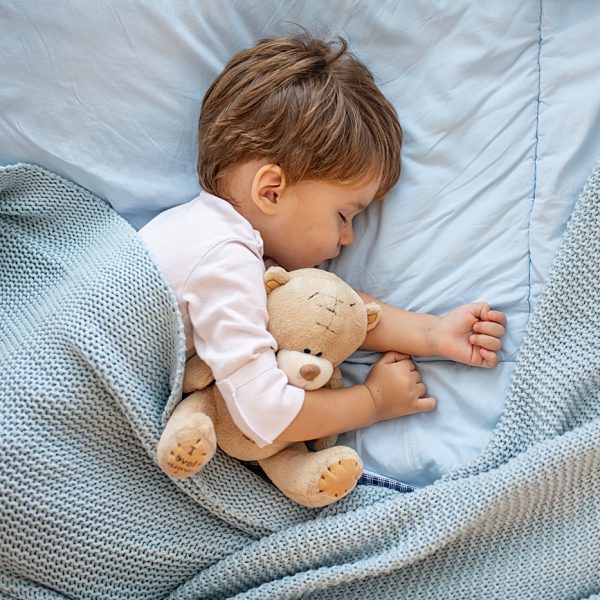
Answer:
[(309, 372)]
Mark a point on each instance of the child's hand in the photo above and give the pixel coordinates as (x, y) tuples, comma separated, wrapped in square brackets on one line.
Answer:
[(396, 387), (471, 334)]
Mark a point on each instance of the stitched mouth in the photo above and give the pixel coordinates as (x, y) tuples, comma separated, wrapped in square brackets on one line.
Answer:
[(327, 327)]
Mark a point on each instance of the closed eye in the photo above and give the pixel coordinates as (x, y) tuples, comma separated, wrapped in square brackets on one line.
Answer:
[(344, 219)]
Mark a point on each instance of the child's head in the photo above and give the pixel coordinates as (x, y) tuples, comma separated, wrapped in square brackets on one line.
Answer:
[(311, 109), (307, 105)]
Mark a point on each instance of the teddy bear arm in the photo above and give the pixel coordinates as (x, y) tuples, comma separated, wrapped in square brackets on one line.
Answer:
[(197, 375), (232, 441), (336, 381)]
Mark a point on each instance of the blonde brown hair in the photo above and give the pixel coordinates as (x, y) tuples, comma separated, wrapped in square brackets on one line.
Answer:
[(307, 105)]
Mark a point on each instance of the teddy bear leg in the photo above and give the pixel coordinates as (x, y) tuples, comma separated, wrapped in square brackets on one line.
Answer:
[(314, 479), (188, 441)]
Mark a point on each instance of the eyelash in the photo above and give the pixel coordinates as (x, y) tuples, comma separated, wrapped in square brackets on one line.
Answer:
[(344, 219)]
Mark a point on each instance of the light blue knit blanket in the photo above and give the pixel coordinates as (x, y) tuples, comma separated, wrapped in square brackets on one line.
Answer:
[(91, 356)]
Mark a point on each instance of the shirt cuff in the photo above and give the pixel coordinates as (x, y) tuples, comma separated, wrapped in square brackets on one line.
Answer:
[(261, 402)]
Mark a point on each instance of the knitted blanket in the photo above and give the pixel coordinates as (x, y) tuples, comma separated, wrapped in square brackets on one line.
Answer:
[(91, 356)]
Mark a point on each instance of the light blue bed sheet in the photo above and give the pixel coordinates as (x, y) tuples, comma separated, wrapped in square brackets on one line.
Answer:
[(500, 106), (502, 127)]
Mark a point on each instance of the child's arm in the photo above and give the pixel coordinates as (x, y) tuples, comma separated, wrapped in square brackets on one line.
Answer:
[(392, 389), (469, 334)]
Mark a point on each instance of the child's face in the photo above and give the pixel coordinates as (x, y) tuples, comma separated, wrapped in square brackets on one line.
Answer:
[(314, 221)]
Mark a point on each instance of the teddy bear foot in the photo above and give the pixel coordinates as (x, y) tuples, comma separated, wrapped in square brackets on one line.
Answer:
[(339, 478), (314, 479), (185, 452)]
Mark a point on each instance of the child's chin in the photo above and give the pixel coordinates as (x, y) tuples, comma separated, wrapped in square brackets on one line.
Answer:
[(293, 265)]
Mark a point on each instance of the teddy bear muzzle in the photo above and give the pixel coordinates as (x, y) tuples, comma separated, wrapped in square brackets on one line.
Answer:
[(303, 370)]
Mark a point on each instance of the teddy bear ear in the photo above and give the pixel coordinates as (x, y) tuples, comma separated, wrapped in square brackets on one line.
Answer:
[(274, 277), (373, 314)]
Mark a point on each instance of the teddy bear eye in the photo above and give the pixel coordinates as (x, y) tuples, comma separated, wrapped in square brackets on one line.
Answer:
[(307, 351)]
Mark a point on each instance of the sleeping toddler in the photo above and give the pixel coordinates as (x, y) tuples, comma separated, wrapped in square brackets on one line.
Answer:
[(295, 140)]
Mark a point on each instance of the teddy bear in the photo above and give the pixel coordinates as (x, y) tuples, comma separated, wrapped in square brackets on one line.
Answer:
[(318, 321)]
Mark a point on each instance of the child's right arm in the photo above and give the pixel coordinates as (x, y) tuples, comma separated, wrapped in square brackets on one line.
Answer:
[(392, 389)]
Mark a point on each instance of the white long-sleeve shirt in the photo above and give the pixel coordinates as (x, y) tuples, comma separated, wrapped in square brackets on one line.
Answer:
[(213, 260)]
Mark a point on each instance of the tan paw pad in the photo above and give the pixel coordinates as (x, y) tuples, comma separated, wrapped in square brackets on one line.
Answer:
[(188, 458), (339, 478)]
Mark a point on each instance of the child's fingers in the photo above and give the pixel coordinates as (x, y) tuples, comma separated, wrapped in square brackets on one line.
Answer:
[(392, 357), (482, 311), (487, 342), (479, 309), (424, 404), (490, 359), (489, 328), (497, 316)]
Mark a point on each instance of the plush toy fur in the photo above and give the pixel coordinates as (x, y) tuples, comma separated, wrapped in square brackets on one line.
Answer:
[(318, 321)]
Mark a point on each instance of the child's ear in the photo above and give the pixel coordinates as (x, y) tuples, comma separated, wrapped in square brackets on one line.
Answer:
[(267, 187)]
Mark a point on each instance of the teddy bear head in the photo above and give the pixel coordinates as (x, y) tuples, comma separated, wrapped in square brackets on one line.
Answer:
[(317, 320)]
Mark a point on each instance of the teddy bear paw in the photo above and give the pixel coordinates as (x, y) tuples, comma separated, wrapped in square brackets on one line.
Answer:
[(340, 478), (186, 459), (188, 452)]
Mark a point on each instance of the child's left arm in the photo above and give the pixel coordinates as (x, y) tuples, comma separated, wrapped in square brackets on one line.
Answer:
[(470, 334)]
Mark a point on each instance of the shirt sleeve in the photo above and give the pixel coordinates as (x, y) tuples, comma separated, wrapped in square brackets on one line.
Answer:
[(227, 305)]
